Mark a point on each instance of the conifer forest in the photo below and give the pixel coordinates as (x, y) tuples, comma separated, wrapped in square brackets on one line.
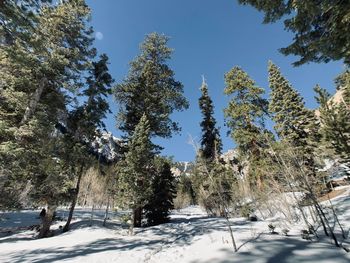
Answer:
[(162, 138)]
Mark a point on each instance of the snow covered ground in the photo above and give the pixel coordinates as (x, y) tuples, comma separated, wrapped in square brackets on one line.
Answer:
[(190, 237)]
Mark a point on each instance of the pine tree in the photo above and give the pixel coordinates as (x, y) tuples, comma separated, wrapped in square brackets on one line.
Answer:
[(36, 69), (163, 192), (18, 18), (295, 125), (51, 57), (135, 172), (293, 121), (335, 121), (39, 65), (150, 88), (321, 28), (211, 144), (84, 121), (215, 191), (246, 111), (245, 116)]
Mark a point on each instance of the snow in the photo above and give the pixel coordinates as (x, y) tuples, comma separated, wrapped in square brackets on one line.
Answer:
[(190, 237)]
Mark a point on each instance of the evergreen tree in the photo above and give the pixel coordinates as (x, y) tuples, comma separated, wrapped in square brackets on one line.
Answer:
[(150, 92), (163, 192), (84, 121), (150, 88), (294, 124), (246, 111), (35, 71), (293, 121), (321, 28), (51, 183), (211, 144), (17, 18), (52, 56), (335, 121), (185, 189), (39, 67), (135, 172), (245, 116)]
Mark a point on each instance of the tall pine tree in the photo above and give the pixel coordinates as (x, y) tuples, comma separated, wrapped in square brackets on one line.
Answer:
[(150, 92), (246, 111), (335, 120), (245, 116), (211, 144), (295, 125), (293, 121), (84, 121)]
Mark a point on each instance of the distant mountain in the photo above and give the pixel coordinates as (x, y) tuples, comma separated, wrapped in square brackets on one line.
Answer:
[(183, 168), (107, 147), (186, 168), (230, 157)]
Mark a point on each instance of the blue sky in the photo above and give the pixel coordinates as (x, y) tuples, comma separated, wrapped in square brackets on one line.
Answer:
[(209, 37)]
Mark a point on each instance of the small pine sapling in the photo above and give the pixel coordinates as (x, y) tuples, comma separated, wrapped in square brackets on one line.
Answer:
[(272, 229)]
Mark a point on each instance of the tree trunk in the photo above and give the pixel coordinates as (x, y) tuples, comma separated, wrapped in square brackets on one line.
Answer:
[(74, 200), (106, 213), (92, 214), (46, 222), (137, 217), (231, 232), (312, 214), (337, 219), (131, 226), (33, 102), (329, 227)]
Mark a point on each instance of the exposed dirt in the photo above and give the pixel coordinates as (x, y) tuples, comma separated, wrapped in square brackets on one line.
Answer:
[(331, 195)]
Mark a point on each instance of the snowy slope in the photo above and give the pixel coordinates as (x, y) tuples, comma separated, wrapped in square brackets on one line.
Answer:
[(107, 146), (190, 237)]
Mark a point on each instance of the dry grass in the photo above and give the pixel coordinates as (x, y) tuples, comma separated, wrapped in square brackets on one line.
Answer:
[(331, 195)]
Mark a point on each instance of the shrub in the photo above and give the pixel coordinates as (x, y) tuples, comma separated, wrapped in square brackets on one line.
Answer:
[(272, 228), (285, 231), (246, 210)]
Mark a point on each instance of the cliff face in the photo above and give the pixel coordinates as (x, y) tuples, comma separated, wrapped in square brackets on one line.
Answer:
[(107, 147)]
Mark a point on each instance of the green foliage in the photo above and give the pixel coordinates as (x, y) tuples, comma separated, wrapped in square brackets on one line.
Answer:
[(163, 192), (246, 111), (246, 210), (135, 172), (335, 121), (211, 144), (51, 185), (150, 88), (321, 28), (293, 122), (245, 116), (185, 188), (16, 18), (43, 57), (85, 119)]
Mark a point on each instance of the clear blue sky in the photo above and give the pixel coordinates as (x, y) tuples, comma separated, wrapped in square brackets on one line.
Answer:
[(209, 37)]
